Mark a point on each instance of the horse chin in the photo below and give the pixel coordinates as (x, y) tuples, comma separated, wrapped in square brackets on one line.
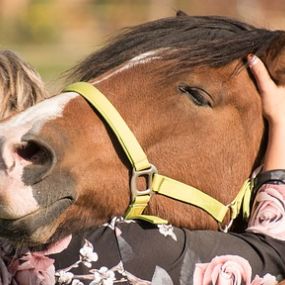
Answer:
[(35, 228)]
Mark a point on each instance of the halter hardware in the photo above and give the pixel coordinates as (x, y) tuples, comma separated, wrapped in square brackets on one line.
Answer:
[(136, 174), (157, 183)]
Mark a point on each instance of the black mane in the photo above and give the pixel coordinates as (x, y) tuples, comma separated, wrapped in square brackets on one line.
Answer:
[(214, 41)]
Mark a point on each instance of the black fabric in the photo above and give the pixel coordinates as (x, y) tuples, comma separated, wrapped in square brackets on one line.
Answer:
[(152, 255), (269, 177)]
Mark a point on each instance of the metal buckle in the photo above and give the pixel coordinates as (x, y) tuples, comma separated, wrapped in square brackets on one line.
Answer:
[(134, 190), (226, 228)]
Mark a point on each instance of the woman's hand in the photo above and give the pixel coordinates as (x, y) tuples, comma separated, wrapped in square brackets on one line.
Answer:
[(273, 96), (273, 101)]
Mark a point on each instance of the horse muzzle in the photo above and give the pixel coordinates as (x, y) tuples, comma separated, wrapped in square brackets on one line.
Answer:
[(26, 228), (28, 199)]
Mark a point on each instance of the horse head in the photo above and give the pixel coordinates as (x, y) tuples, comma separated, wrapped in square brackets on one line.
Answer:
[(182, 86)]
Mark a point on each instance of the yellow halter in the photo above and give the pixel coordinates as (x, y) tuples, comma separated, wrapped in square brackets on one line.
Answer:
[(157, 183)]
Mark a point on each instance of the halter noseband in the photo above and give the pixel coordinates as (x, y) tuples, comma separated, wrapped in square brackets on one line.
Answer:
[(157, 183)]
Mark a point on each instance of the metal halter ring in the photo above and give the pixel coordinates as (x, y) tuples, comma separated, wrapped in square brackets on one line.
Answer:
[(226, 227), (136, 174)]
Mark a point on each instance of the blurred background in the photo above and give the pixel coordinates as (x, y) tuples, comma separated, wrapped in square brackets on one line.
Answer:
[(54, 35)]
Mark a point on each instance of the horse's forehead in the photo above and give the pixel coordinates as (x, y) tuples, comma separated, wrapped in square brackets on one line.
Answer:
[(38, 115)]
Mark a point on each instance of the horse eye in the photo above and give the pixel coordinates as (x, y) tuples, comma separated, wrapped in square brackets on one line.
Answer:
[(197, 95)]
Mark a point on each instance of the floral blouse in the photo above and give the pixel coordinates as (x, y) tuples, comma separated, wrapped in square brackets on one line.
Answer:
[(135, 252)]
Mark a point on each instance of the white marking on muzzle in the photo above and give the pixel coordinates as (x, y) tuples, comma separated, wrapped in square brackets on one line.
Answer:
[(16, 198), (44, 111)]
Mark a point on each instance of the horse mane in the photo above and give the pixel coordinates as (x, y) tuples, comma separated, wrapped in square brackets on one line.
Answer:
[(209, 40)]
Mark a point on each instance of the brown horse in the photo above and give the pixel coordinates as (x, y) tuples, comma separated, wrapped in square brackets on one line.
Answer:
[(182, 86)]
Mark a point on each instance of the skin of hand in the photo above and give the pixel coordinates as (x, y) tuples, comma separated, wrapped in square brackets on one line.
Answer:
[(273, 102)]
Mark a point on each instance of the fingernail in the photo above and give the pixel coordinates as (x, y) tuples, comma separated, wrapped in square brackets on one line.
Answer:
[(252, 59)]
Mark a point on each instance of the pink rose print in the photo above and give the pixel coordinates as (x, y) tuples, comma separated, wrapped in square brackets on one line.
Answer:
[(33, 268), (228, 270), (223, 270), (268, 212), (266, 280)]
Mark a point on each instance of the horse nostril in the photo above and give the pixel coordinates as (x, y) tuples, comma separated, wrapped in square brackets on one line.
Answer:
[(33, 152), (37, 157)]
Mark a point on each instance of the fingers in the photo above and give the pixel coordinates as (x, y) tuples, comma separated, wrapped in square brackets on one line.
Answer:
[(261, 75)]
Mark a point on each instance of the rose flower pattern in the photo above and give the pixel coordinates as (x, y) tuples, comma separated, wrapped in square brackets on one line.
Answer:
[(228, 270), (268, 212)]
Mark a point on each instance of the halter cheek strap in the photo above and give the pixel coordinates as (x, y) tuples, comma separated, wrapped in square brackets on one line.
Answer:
[(156, 183)]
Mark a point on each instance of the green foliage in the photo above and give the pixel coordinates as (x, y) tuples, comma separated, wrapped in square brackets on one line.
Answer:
[(38, 24)]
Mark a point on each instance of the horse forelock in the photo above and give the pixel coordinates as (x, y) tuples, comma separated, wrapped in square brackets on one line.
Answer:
[(213, 41)]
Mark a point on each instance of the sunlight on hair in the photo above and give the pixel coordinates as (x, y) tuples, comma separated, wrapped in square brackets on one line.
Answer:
[(20, 85)]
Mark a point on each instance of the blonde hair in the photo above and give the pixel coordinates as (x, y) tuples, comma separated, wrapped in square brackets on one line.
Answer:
[(20, 85)]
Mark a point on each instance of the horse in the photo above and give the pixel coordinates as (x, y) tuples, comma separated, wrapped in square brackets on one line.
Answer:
[(182, 86)]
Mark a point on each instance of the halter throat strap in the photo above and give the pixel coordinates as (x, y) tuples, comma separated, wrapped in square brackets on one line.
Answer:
[(156, 183)]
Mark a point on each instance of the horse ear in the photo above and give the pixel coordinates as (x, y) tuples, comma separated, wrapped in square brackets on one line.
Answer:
[(180, 13), (274, 59)]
